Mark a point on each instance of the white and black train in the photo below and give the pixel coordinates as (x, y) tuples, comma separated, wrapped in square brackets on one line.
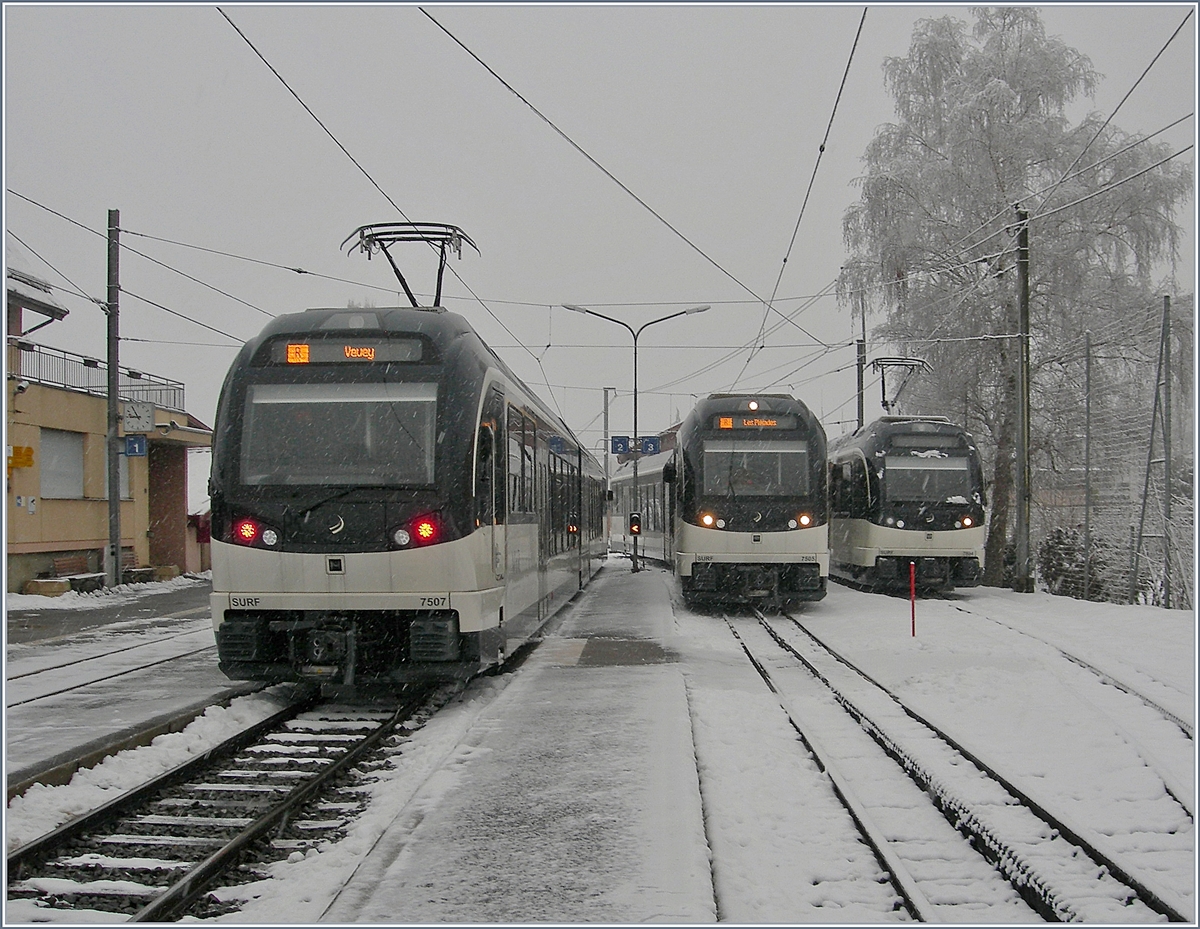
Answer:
[(907, 491), (389, 503), (744, 515), (653, 502)]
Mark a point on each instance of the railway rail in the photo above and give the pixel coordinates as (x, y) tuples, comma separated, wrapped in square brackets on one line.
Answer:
[(100, 656), (1109, 677), (274, 789), (41, 683), (1062, 871)]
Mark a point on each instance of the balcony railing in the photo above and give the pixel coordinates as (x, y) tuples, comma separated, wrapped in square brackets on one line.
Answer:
[(55, 367)]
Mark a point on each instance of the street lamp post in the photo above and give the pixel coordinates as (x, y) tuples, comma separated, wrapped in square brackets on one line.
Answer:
[(637, 451)]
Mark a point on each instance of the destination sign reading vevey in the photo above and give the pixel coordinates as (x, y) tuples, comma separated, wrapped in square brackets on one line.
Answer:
[(325, 351)]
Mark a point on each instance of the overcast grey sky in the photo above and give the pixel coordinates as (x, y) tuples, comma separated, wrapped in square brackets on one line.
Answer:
[(711, 114)]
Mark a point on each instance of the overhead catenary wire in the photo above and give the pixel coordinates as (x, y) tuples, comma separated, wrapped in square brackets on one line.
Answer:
[(809, 299), (955, 250), (816, 167), (1109, 188), (316, 118), (75, 288), (1128, 93), (222, 345), (195, 322), (140, 254), (575, 145), (491, 300), (746, 345), (294, 269), (373, 182)]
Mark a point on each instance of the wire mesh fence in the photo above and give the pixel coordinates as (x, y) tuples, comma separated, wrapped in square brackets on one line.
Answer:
[(1112, 463)]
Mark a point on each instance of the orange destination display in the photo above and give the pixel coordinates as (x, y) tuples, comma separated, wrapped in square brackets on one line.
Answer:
[(339, 351), (755, 421)]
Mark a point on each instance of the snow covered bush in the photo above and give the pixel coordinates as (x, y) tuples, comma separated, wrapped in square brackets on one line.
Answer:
[(1060, 560)]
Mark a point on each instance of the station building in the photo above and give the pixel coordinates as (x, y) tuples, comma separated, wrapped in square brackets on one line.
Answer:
[(57, 489)]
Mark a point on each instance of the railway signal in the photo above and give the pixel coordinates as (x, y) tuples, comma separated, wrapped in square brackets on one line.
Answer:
[(635, 523)]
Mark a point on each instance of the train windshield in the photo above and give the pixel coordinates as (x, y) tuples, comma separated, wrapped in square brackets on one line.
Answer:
[(339, 433), (912, 478), (755, 467)]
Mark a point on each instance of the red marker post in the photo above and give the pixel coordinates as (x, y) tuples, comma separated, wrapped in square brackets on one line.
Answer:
[(912, 594)]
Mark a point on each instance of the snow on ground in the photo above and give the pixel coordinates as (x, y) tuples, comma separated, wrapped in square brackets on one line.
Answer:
[(106, 596), (984, 664), (981, 667), (766, 801), (41, 809)]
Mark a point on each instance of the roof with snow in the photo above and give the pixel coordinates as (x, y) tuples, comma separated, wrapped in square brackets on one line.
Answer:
[(29, 290)]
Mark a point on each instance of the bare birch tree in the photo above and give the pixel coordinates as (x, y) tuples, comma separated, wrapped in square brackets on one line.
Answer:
[(981, 129)]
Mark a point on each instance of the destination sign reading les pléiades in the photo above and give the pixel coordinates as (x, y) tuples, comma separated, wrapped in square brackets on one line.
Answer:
[(754, 421)]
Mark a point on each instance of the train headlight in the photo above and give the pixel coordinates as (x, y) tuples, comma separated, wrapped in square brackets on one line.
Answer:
[(805, 520), (401, 537), (899, 524), (249, 531), (968, 522), (708, 519), (890, 521), (792, 524), (720, 524)]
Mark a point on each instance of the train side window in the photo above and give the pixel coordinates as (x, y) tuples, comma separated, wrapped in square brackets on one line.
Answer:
[(516, 460), (522, 475), (858, 488), (492, 466), (839, 478), (484, 467)]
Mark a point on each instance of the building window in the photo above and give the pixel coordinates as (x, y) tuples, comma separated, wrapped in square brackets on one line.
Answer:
[(62, 465)]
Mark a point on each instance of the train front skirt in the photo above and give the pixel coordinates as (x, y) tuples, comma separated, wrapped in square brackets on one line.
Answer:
[(728, 567)]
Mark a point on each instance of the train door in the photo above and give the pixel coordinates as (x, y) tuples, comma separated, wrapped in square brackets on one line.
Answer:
[(673, 488), (491, 469), (577, 516)]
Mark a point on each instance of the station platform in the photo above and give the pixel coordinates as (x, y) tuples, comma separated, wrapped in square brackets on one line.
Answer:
[(596, 727)]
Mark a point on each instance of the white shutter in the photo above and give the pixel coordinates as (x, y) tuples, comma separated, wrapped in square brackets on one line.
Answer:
[(62, 464)]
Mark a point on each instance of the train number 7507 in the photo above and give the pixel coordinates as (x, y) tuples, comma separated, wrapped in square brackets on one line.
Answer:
[(435, 602)]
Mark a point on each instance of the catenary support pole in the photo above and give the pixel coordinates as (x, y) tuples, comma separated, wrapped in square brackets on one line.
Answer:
[(1156, 412), (1023, 576), (637, 439), (862, 364), (607, 482), (1166, 337), (862, 358), (1087, 464), (112, 554)]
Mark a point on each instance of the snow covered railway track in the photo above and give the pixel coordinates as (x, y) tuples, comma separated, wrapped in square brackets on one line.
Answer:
[(1062, 871), (1105, 676), (42, 683), (275, 790), (931, 866), (75, 662)]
